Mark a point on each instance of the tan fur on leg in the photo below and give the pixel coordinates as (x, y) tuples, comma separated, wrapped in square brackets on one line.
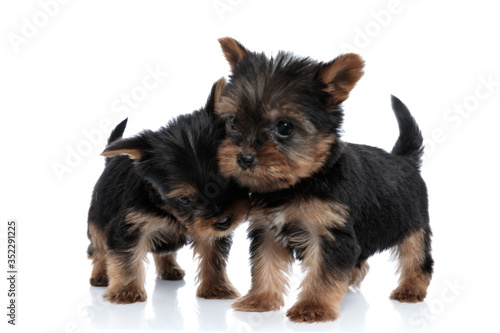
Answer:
[(126, 268), (126, 276), (320, 297), (269, 281), (212, 275), (99, 276), (413, 282), (167, 267)]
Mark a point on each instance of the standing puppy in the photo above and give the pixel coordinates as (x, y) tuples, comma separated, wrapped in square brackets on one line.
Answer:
[(330, 203), (163, 194)]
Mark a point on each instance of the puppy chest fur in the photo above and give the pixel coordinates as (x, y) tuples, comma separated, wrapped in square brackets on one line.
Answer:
[(302, 224)]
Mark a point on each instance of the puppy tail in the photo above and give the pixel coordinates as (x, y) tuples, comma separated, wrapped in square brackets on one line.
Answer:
[(117, 133), (410, 141)]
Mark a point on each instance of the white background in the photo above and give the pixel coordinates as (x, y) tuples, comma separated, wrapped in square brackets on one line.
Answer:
[(70, 72)]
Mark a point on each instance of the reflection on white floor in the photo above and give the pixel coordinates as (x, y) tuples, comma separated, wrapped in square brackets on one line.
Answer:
[(161, 310), (164, 312), (172, 306)]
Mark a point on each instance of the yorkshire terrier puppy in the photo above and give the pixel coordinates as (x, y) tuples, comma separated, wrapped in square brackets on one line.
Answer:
[(329, 203), (162, 193)]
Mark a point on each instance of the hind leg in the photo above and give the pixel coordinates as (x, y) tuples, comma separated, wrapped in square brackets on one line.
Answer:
[(97, 252), (415, 267), (167, 267)]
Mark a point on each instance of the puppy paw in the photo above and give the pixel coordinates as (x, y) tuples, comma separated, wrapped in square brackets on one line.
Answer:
[(311, 313), (172, 274), (258, 303), (408, 295), (217, 292), (99, 280), (125, 295)]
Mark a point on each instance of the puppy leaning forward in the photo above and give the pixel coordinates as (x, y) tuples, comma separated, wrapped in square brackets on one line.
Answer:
[(329, 203), (165, 192)]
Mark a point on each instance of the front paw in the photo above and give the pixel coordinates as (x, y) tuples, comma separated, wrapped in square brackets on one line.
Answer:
[(258, 303), (311, 313), (125, 295), (227, 291)]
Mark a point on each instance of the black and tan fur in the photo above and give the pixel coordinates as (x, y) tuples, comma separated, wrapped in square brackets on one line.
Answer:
[(326, 202), (163, 192)]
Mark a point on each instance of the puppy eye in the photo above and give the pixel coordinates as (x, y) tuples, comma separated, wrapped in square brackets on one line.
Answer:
[(232, 121), (284, 128), (184, 201)]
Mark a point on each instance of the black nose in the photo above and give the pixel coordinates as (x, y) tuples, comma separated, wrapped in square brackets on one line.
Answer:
[(246, 159), (223, 223)]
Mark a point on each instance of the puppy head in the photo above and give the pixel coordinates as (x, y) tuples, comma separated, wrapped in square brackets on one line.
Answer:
[(282, 115), (180, 162)]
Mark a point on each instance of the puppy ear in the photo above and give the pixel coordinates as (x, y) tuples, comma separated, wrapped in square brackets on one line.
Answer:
[(214, 97), (133, 147), (218, 91), (233, 51), (341, 75)]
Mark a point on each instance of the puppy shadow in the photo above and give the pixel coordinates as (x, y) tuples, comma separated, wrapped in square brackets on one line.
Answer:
[(414, 317), (271, 321), (167, 313), (104, 315), (212, 313), (163, 300), (353, 312), (352, 319)]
